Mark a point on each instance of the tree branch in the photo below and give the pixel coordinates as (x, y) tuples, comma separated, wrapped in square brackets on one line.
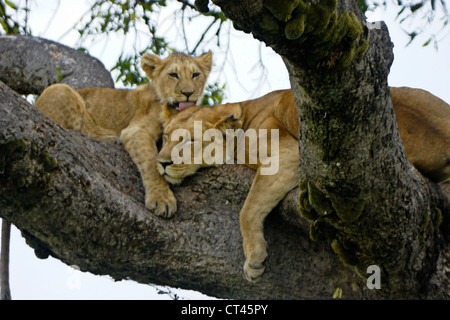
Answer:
[(28, 65), (81, 201)]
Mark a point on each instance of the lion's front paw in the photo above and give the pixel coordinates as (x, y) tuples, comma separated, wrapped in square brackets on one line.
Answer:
[(256, 256), (253, 272), (161, 202)]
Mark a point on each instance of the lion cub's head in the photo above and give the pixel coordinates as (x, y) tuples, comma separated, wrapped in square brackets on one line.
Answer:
[(193, 139), (178, 80)]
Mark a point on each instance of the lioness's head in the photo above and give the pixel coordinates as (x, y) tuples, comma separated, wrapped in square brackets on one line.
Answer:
[(194, 139), (178, 80)]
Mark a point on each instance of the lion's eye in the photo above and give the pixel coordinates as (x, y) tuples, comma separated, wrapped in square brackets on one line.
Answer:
[(173, 75), (195, 74)]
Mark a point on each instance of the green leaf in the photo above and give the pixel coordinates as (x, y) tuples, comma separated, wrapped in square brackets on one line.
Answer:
[(426, 43), (416, 6), (4, 26), (11, 5)]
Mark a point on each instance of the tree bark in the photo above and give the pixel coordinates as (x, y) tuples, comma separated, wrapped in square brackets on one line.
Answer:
[(28, 65), (360, 193), (5, 293)]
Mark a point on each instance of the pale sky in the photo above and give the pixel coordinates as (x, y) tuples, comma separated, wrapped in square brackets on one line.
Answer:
[(31, 278)]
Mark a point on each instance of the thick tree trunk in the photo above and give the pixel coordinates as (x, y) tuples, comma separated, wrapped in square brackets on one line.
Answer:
[(361, 194)]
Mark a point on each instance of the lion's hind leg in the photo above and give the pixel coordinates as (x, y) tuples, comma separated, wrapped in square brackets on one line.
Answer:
[(266, 192), (63, 105), (66, 107)]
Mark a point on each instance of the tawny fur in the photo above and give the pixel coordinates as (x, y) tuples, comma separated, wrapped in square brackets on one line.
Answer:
[(135, 116), (424, 125)]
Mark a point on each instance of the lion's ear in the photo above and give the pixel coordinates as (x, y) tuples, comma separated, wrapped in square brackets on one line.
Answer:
[(205, 61), (149, 62), (229, 122)]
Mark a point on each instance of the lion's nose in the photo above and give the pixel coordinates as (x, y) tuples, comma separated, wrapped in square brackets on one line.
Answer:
[(165, 163), (187, 93)]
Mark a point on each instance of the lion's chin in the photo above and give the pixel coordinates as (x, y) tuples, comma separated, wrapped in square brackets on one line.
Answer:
[(173, 180)]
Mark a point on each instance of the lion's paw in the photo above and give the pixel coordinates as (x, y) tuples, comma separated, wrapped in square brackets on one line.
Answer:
[(253, 272), (161, 203)]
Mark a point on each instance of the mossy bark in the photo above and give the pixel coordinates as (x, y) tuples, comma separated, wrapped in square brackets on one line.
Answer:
[(358, 190)]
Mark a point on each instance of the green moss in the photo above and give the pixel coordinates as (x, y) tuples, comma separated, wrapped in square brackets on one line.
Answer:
[(337, 293), (7, 149), (304, 207), (348, 209), (329, 40), (320, 15), (241, 28), (268, 23), (361, 272), (303, 185), (355, 28), (362, 48), (423, 228), (321, 230), (346, 252), (202, 5), (295, 27), (437, 219), (49, 162), (282, 9), (318, 200)]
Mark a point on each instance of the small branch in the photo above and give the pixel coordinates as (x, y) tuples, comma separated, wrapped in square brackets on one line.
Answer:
[(5, 293)]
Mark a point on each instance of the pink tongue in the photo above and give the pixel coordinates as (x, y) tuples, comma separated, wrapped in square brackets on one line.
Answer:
[(183, 105)]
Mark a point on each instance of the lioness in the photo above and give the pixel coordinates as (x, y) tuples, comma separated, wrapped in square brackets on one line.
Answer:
[(136, 116), (423, 120)]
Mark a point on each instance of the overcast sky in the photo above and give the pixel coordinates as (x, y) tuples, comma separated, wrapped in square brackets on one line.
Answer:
[(31, 278)]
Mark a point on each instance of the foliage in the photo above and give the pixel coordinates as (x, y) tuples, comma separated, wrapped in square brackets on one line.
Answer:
[(426, 18), (129, 18), (214, 94), (9, 24), (140, 18)]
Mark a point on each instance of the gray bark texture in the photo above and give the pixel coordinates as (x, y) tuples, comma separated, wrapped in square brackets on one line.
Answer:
[(29, 65)]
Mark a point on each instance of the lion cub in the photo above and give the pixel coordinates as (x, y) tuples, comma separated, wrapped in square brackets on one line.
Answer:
[(136, 116), (423, 121)]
